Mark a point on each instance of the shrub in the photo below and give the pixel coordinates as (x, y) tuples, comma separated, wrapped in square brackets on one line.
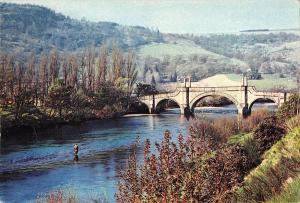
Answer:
[(66, 196), (280, 164), (290, 192), (59, 98), (58, 196), (252, 121), (160, 179), (205, 136), (267, 133), (270, 183), (226, 127), (178, 174), (252, 151), (292, 123), (223, 172), (290, 108)]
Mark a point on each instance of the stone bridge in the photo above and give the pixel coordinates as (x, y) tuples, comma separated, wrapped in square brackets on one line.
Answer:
[(187, 97)]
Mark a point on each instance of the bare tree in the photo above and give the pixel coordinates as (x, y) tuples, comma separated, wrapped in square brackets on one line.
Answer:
[(43, 77), (54, 66), (117, 63), (82, 72), (19, 91), (30, 71), (3, 61), (65, 70), (9, 78), (102, 65), (131, 72), (73, 68), (90, 57), (30, 78)]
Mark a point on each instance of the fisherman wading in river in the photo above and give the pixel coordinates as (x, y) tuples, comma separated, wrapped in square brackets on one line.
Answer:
[(76, 149)]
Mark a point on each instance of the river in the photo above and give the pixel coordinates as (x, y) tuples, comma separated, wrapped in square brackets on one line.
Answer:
[(32, 167)]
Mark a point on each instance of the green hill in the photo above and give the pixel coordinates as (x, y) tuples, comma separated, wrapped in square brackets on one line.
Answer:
[(28, 28)]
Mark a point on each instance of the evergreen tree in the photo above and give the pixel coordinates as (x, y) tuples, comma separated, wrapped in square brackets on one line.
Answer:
[(153, 82), (175, 77)]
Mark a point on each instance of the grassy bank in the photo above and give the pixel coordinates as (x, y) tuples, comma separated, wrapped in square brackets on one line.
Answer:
[(268, 82), (276, 179), (290, 193)]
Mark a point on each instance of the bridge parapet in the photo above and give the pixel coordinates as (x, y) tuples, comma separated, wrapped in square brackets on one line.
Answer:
[(216, 89)]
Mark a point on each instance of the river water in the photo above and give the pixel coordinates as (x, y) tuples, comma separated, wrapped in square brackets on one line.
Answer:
[(44, 163)]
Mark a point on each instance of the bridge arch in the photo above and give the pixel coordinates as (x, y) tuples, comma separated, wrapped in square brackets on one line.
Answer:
[(196, 99), (138, 106), (160, 101), (251, 103)]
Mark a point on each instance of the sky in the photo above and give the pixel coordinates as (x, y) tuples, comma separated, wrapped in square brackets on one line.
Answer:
[(182, 16)]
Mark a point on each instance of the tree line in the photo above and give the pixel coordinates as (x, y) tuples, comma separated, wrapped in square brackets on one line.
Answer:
[(67, 86)]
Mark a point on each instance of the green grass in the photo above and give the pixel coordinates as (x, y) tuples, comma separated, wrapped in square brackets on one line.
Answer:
[(7, 113), (161, 49), (268, 82), (240, 139), (291, 193), (4, 113), (287, 148)]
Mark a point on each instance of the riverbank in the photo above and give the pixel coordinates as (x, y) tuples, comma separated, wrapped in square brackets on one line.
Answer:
[(32, 122), (217, 159)]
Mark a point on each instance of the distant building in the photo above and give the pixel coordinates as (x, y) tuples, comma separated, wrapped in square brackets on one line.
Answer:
[(169, 77), (165, 77), (253, 74)]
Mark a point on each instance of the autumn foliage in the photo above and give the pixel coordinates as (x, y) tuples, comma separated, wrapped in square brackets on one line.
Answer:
[(66, 87), (203, 167), (179, 174), (268, 133)]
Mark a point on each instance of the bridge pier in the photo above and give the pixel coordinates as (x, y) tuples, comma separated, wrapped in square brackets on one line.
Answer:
[(244, 111), (152, 111), (186, 111), (182, 110)]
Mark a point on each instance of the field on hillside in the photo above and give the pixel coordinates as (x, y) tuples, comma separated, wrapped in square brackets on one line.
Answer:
[(268, 82), (290, 50), (159, 50)]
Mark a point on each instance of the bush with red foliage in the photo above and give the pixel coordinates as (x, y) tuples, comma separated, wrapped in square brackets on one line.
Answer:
[(176, 174), (160, 178), (226, 127), (204, 136), (59, 196), (267, 133), (222, 172), (220, 130), (201, 169), (252, 121)]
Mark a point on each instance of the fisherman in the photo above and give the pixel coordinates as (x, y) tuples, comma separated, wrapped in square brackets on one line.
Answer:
[(76, 149)]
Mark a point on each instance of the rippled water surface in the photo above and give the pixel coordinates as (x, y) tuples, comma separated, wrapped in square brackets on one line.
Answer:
[(43, 163)]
